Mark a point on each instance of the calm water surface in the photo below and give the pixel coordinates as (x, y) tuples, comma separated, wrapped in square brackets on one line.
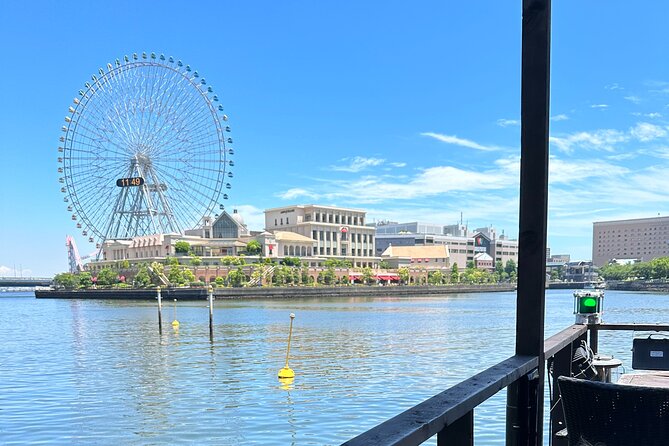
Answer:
[(98, 372)]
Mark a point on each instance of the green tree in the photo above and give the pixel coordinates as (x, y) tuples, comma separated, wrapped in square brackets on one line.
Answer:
[(336, 263), (384, 264), (68, 281), (175, 276), (404, 275), (253, 247), (188, 276), (181, 247), (236, 278), (499, 267), (219, 281), (470, 264), (435, 277), (455, 274), (142, 278), (291, 261), (511, 268), (85, 280), (327, 276), (195, 260), (107, 276), (171, 261), (642, 270), (367, 276)]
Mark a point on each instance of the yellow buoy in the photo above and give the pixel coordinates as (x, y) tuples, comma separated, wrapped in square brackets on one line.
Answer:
[(287, 372), (175, 322), (286, 383)]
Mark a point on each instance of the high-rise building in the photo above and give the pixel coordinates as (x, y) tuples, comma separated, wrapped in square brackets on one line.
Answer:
[(640, 239)]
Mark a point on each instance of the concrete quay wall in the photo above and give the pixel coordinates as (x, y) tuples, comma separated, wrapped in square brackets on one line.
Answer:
[(273, 292), (657, 286)]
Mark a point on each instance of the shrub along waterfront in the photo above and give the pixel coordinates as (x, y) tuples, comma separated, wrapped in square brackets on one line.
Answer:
[(235, 272), (654, 269)]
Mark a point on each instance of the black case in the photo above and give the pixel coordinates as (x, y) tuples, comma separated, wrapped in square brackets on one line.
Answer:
[(650, 353)]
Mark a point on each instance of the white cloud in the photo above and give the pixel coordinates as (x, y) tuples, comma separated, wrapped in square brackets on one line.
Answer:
[(398, 164), (614, 86), (560, 117), (508, 122), (633, 99), (567, 172), (603, 139), (448, 139), (653, 115), (645, 131), (358, 163), (295, 193), (600, 106)]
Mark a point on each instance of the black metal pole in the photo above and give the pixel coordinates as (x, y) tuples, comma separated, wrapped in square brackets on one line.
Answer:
[(527, 428)]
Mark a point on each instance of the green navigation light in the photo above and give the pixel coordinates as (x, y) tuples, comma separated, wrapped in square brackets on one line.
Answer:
[(589, 302)]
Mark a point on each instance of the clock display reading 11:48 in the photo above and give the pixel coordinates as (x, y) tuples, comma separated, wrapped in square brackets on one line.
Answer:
[(129, 182)]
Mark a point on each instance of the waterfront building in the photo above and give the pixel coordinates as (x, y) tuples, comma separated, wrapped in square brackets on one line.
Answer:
[(559, 258), (461, 249), (641, 239), (227, 235), (338, 233), (417, 257), (483, 261), (414, 227), (580, 271), (458, 230)]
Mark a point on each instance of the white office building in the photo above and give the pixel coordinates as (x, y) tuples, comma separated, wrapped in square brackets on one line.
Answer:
[(338, 233)]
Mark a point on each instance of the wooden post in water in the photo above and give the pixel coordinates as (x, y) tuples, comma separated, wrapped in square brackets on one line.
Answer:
[(211, 312), (160, 310)]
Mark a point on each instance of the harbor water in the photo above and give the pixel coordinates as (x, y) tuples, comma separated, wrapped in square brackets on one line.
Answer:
[(99, 371)]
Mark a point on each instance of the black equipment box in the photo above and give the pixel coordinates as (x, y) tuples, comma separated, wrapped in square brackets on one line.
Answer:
[(650, 353)]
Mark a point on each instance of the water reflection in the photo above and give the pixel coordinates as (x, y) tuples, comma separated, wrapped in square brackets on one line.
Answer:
[(99, 371)]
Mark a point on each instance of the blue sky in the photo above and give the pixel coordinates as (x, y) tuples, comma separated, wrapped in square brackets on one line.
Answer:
[(407, 111)]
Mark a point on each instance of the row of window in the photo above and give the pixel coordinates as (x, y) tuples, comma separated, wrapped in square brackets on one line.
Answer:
[(327, 251), (332, 236), (354, 220)]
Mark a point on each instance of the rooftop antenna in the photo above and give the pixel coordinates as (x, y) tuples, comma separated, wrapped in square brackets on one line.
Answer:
[(460, 218)]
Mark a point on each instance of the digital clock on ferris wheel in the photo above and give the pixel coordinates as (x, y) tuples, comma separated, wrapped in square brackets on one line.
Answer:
[(129, 182)]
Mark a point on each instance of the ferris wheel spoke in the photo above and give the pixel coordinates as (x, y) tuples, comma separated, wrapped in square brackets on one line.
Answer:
[(100, 107), (101, 138), (184, 144), (188, 181), (191, 105), (192, 197), (104, 109)]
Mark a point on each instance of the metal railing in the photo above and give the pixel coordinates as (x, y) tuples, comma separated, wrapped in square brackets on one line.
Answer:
[(450, 414)]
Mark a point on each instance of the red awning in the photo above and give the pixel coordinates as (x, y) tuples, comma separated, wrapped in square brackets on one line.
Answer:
[(387, 277)]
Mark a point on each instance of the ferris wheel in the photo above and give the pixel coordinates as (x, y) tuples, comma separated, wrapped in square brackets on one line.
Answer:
[(145, 149)]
